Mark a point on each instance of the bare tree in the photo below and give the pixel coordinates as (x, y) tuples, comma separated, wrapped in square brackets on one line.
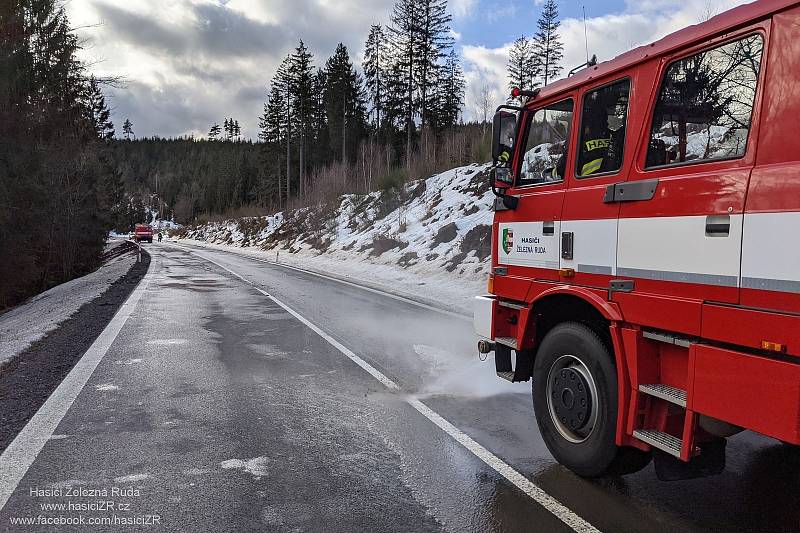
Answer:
[(710, 9), (484, 105)]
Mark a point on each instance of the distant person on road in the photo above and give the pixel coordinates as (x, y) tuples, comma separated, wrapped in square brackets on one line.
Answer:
[(159, 236)]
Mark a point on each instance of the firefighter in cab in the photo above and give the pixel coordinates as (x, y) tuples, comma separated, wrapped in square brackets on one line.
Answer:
[(601, 146)]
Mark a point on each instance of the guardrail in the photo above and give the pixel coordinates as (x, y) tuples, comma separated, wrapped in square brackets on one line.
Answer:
[(123, 248)]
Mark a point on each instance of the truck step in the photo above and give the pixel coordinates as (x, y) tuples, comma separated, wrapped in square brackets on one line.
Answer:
[(507, 341), (509, 376), (658, 439), (665, 392)]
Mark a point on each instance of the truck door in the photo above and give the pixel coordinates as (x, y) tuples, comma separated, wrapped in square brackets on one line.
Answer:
[(771, 244), (681, 215), (589, 223), (528, 237)]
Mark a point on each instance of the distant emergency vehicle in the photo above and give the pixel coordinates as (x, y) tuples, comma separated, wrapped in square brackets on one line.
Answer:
[(646, 248), (143, 232)]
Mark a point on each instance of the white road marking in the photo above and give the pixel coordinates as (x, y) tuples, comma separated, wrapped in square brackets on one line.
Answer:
[(23, 450), (536, 493), (343, 282)]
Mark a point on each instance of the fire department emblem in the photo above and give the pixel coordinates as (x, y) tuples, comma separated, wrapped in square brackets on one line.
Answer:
[(508, 240)]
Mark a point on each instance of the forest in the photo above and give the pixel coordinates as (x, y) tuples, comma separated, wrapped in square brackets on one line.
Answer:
[(58, 187)]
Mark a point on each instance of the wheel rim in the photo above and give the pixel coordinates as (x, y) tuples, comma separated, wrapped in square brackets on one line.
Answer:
[(572, 399)]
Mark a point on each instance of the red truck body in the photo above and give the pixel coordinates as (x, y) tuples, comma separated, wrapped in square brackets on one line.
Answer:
[(143, 232), (676, 244)]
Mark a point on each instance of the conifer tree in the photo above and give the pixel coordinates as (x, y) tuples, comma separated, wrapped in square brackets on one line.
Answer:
[(547, 45), (344, 106), (435, 43), (127, 128), (301, 88), (523, 67), (450, 92), (405, 41), (97, 114), (374, 66), (319, 121), (277, 122), (214, 132)]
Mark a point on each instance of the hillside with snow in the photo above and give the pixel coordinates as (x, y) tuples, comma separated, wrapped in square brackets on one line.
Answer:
[(431, 238)]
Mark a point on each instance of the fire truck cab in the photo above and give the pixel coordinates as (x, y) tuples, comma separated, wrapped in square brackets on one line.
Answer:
[(646, 248)]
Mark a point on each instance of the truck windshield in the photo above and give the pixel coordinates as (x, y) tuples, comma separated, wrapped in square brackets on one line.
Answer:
[(545, 155)]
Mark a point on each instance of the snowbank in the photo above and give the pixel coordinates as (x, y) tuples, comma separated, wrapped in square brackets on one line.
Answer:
[(27, 323), (431, 239)]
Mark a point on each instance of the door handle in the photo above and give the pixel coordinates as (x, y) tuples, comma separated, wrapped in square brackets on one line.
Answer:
[(567, 244), (718, 226), (548, 228), (630, 191)]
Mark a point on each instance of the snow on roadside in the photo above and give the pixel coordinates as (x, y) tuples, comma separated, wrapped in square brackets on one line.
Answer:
[(33, 320), (430, 240)]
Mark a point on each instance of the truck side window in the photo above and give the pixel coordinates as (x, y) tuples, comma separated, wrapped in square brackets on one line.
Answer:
[(602, 135), (545, 158), (705, 104)]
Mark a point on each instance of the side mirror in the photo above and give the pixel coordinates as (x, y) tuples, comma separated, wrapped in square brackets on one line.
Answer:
[(504, 129)]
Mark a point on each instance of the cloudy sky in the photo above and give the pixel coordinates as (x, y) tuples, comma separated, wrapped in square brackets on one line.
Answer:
[(190, 63)]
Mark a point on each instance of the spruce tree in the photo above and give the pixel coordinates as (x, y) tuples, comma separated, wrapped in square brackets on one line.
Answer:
[(547, 45), (374, 66), (405, 42), (214, 132), (344, 106), (279, 113), (127, 128), (301, 88), (97, 114), (523, 67), (319, 122), (450, 92), (435, 43)]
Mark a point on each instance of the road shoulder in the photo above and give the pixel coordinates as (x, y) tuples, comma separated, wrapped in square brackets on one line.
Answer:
[(27, 380)]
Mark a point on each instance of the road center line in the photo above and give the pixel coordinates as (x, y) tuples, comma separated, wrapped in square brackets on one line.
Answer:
[(536, 493), (23, 450)]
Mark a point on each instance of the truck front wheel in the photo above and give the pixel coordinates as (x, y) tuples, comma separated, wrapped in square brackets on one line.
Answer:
[(575, 400)]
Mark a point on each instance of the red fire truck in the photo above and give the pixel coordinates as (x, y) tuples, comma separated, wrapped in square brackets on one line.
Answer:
[(143, 232), (646, 248)]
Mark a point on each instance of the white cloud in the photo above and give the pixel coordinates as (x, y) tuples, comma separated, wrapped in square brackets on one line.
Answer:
[(462, 8), (190, 63), (193, 62), (609, 35)]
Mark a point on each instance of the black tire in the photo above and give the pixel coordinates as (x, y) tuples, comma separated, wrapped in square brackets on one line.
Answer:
[(583, 438)]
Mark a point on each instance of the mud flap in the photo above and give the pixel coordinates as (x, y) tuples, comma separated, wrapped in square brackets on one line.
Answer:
[(710, 462), (505, 368)]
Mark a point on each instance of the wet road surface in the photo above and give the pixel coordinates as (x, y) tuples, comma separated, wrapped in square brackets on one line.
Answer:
[(215, 409)]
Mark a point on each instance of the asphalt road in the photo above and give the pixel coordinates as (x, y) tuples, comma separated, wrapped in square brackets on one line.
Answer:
[(217, 409)]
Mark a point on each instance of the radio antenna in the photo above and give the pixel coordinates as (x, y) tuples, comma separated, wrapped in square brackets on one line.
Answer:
[(585, 35)]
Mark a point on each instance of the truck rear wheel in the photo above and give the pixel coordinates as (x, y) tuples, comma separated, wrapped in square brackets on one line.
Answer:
[(575, 400)]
